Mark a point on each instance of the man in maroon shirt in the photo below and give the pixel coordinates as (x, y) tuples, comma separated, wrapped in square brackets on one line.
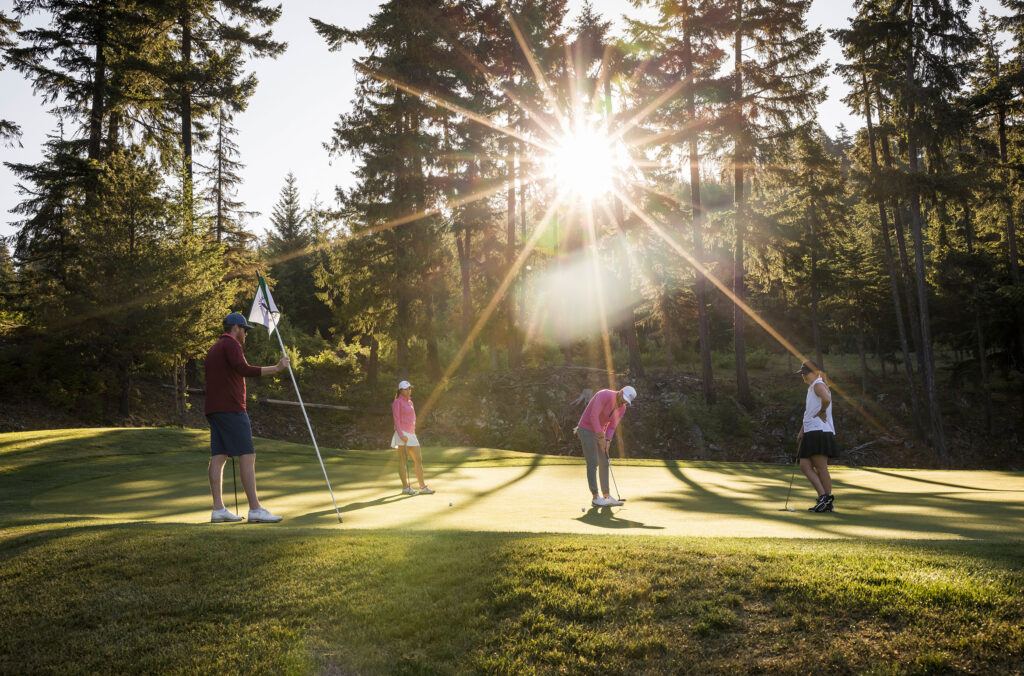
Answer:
[(230, 432)]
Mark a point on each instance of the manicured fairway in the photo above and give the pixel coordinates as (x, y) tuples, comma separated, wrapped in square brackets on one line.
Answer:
[(108, 565), (501, 491)]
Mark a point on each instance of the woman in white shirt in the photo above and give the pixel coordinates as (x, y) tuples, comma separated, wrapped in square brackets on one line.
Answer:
[(817, 437)]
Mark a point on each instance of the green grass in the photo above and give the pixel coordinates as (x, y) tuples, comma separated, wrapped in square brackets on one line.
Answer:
[(106, 566)]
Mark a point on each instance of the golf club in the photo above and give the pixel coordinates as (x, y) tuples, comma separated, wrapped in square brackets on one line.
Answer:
[(612, 472), (791, 475), (234, 482)]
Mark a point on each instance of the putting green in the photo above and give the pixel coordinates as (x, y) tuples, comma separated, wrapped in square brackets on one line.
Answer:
[(130, 475)]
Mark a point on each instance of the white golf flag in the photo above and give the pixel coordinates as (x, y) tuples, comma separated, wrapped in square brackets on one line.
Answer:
[(263, 309)]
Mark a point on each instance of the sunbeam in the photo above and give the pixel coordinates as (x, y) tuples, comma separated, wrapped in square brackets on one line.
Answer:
[(455, 108), (499, 294), (537, 73), (749, 311)]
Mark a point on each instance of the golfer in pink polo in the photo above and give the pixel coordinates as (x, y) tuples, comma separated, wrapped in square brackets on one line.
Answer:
[(596, 429), (404, 439)]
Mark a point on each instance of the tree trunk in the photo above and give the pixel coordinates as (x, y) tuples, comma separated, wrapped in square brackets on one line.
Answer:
[(124, 403), (916, 226), (185, 20), (628, 329), (697, 223), (433, 356), (666, 329), (218, 189), (462, 245), (99, 90), (901, 248), (521, 286), (373, 362), (815, 292), (510, 258), (739, 157), (883, 219), (861, 349), (978, 329), (1011, 232)]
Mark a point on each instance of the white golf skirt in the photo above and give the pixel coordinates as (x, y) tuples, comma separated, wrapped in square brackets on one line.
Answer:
[(396, 440)]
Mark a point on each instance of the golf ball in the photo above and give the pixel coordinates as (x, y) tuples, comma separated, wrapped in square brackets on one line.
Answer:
[(583, 509), (792, 509), (449, 504)]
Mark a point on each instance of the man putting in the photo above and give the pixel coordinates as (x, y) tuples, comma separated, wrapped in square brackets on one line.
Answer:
[(596, 429), (230, 432)]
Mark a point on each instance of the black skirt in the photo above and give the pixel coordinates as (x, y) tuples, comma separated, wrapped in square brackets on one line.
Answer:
[(818, 442)]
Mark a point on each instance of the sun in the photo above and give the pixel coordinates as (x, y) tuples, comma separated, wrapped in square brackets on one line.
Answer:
[(586, 162)]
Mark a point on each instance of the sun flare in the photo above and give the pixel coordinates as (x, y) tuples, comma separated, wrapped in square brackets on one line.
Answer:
[(586, 163)]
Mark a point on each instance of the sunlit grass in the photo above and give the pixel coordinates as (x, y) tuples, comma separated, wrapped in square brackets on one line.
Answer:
[(88, 595), (166, 598)]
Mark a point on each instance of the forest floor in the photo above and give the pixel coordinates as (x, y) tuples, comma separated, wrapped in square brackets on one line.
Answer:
[(107, 564)]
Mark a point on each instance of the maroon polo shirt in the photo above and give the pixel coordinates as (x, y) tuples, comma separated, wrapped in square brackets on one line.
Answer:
[(226, 371)]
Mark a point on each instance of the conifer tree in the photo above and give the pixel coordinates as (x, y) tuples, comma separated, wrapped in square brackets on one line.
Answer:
[(8, 278), (225, 212), (9, 130), (936, 41), (865, 49), (684, 46), (397, 136), (1001, 86), (774, 82), (199, 59), (805, 200)]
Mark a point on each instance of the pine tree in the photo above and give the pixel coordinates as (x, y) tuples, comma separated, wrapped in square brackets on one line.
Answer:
[(199, 61), (1001, 87), (8, 279), (226, 213), (9, 131), (773, 83), (684, 46), (935, 46), (68, 61), (518, 98), (805, 200), (398, 136), (867, 66)]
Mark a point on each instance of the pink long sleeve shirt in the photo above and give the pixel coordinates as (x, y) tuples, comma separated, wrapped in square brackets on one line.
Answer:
[(404, 414), (602, 416)]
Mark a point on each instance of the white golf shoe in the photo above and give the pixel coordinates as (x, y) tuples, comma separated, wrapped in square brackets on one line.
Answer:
[(223, 516), (261, 515), (601, 502), (614, 502)]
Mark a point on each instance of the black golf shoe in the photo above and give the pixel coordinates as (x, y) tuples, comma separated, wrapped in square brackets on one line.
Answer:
[(825, 504), (818, 504)]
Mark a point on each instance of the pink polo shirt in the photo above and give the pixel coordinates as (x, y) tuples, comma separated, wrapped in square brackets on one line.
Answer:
[(601, 415), (404, 414)]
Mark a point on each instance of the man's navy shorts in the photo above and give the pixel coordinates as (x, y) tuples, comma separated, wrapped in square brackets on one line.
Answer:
[(230, 434)]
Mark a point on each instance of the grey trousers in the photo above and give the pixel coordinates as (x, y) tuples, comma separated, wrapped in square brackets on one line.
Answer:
[(595, 458)]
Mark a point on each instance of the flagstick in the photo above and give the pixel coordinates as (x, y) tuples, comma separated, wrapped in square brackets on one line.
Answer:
[(308, 426)]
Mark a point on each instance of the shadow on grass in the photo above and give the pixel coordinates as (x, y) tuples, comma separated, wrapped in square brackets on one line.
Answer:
[(604, 517), (857, 508), (910, 477)]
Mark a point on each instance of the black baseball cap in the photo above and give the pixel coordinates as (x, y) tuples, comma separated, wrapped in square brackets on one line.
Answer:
[(808, 367)]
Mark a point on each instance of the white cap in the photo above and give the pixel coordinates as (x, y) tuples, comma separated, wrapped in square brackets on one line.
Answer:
[(404, 385), (629, 394)]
